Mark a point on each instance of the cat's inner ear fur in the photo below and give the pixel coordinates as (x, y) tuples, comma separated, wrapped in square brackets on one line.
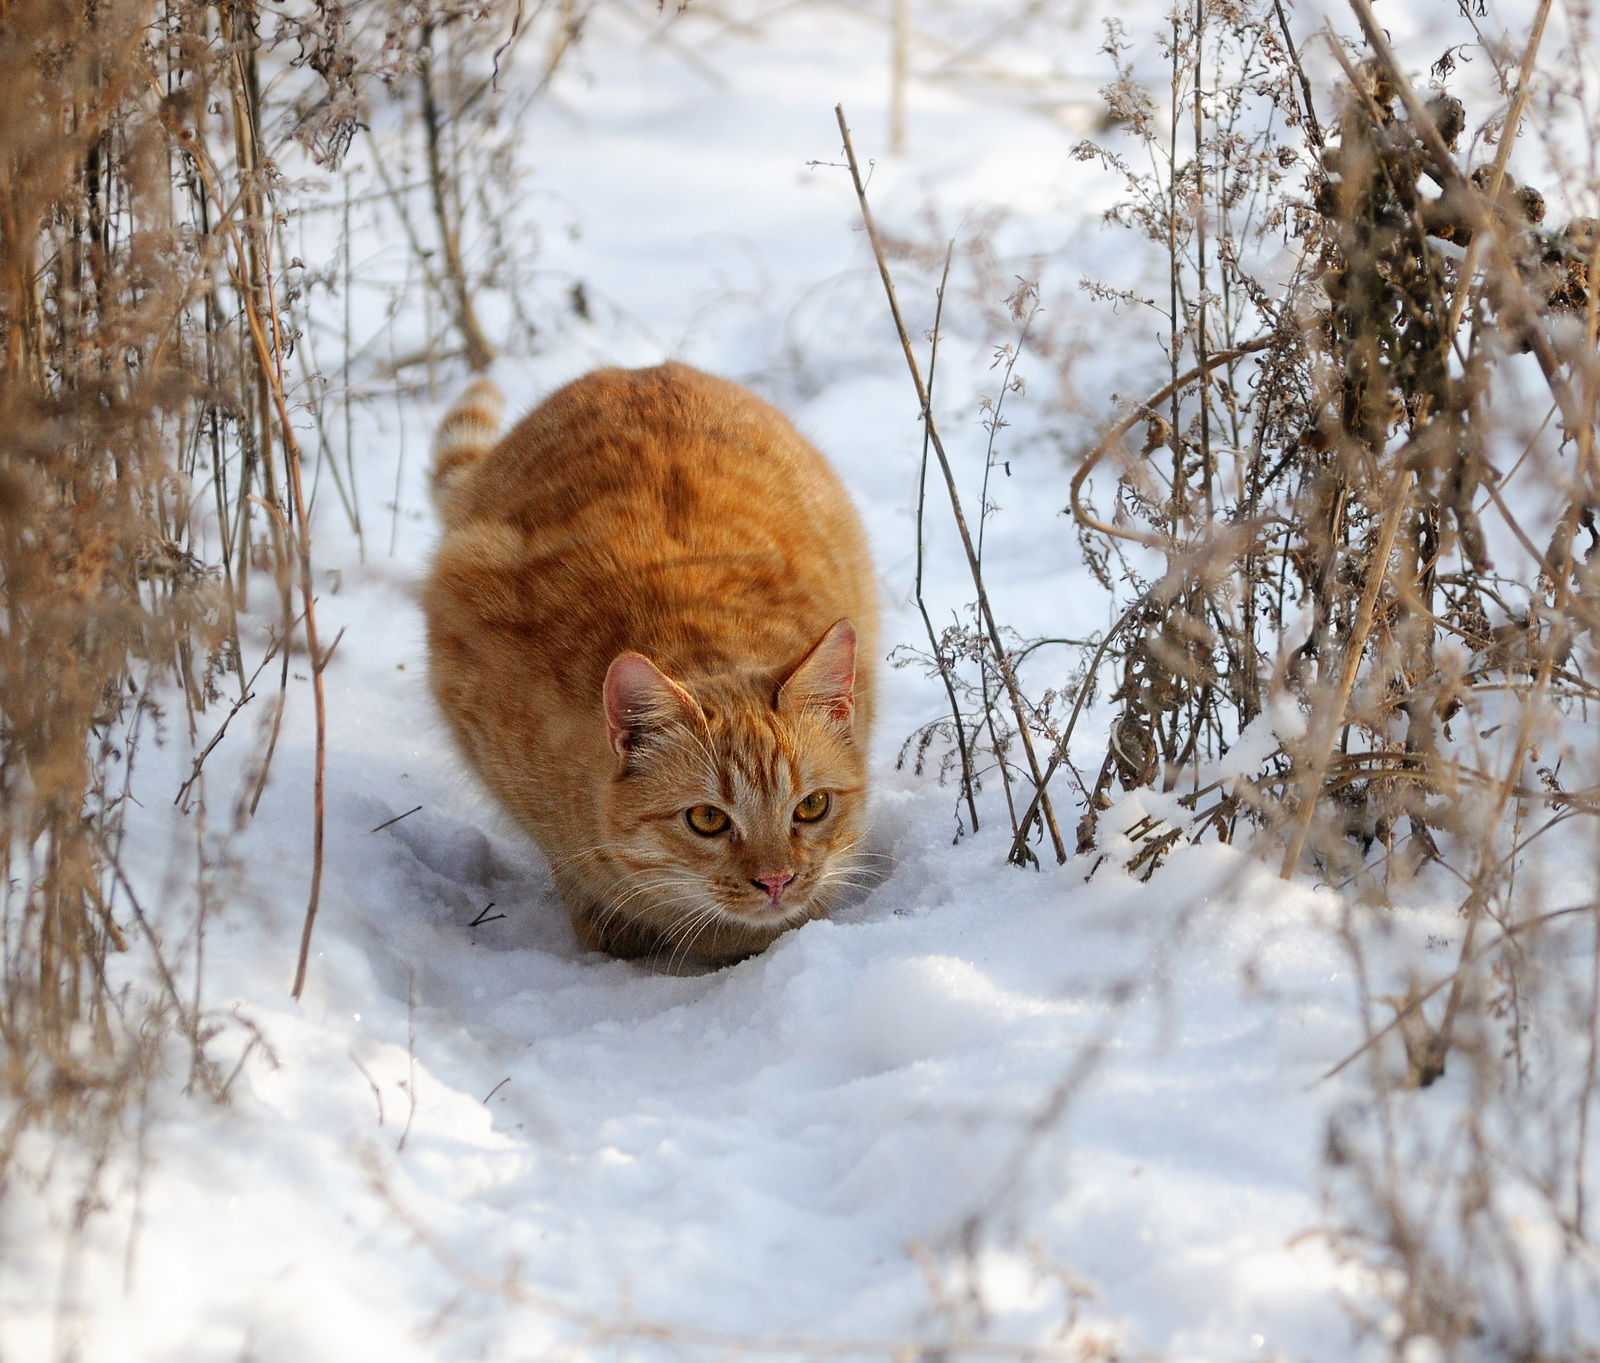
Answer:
[(825, 681), (641, 699)]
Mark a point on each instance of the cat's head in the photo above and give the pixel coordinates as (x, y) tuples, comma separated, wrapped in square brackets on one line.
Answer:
[(735, 807)]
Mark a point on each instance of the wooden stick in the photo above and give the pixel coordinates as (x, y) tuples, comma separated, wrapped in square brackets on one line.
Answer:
[(1010, 681)]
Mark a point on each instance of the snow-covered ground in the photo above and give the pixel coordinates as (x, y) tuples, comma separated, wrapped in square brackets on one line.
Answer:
[(1028, 1106)]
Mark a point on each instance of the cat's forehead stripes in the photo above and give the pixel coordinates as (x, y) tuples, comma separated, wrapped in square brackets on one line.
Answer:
[(756, 766)]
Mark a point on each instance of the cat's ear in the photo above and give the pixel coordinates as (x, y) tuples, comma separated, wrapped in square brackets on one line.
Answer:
[(825, 682), (639, 697)]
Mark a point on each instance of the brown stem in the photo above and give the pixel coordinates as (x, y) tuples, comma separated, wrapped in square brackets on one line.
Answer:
[(1062, 743), (1001, 658), (480, 354), (267, 354), (922, 497), (1139, 413), (1300, 71), (1355, 645), (1201, 342)]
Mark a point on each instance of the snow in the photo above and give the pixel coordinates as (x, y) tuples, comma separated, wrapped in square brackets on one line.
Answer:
[(1060, 1110)]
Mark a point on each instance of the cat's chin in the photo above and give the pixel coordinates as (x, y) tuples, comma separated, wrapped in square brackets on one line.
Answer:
[(735, 933), (769, 919)]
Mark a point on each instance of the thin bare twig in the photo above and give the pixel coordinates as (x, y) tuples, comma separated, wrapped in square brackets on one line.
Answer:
[(1001, 657), (1062, 744), (480, 354), (922, 607), (1414, 1004), (269, 356), (387, 822), (1142, 412)]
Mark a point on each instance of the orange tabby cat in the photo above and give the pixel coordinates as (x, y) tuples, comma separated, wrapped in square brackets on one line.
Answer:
[(651, 627)]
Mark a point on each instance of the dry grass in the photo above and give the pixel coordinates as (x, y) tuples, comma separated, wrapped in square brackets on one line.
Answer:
[(104, 598), (1303, 539), (159, 347)]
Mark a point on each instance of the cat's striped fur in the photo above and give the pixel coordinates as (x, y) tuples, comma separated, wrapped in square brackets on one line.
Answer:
[(653, 598)]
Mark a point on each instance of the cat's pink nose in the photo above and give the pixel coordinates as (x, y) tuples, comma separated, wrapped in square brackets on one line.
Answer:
[(774, 883)]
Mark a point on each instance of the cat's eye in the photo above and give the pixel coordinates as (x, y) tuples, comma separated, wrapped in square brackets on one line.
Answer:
[(813, 807), (706, 820)]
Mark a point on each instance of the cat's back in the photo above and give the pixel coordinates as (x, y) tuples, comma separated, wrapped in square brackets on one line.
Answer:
[(664, 451), (662, 510)]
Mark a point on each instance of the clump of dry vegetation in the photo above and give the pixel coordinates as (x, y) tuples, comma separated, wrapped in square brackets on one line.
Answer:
[(153, 487), (148, 470), (104, 598), (1356, 526)]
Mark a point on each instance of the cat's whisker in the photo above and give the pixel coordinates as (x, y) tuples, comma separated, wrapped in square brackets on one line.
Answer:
[(635, 884), (713, 917), (673, 901), (847, 875), (652, 868), (613, 911), (621, 902), (635, 891), (680, 951), (855, 880), (579, 855), (636, 881), (704, 918), (617, 901)]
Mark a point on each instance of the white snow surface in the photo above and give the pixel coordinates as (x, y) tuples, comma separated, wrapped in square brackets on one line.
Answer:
[(481, 1142)]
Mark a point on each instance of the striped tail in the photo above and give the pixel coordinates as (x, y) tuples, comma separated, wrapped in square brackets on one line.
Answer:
[(467, 433)]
